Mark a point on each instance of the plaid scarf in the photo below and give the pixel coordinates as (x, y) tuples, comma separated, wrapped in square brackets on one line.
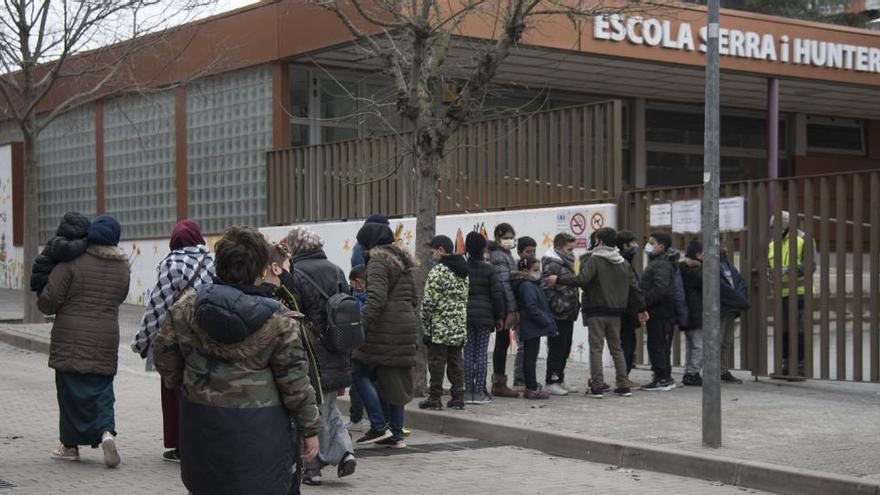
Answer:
[(174, 273)]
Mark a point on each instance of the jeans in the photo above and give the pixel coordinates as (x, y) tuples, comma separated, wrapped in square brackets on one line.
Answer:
[(530, 362), (602, 329), (628, 344), (800, 329), (660, 334), (499, 355), (333, 437), (558, 352), (518, 373), (445, 358), (476, 352), (382, 415), (693, 351), (728, 327), (356, 410)]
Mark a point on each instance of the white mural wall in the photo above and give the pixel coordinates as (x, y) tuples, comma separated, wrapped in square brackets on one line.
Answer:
[(11, 272)]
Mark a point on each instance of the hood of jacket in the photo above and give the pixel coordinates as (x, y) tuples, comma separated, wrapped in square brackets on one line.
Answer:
[(112, 253), (456, 264), (690, 262), (308, 255), (394, 254), (73, 226), (518, 278), (610, 254), (229, 315), (553, 254)]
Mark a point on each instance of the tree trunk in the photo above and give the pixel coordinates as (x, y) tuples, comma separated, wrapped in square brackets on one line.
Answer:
[(30, 218), (426, 226)]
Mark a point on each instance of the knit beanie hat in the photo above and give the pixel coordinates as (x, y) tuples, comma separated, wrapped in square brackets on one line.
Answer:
[(105, 231)]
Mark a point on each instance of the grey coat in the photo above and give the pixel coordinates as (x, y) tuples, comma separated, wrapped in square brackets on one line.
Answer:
[(504, 265)]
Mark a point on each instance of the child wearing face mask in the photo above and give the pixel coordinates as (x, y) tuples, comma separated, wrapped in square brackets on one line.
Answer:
[(535, 320)]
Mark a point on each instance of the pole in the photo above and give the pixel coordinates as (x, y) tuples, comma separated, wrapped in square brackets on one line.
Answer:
[(711, 268), (772, 138)]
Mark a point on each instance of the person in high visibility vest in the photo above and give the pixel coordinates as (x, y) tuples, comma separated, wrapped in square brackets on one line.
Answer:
[(803, 271)]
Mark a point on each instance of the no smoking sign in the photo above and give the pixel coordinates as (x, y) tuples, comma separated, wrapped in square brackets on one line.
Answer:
[(578, 224)]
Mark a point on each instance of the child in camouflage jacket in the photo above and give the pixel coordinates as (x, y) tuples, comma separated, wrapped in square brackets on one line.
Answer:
[(444, 318)]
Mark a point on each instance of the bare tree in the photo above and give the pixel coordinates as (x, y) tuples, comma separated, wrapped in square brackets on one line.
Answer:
[(420, 45), (57, 55)]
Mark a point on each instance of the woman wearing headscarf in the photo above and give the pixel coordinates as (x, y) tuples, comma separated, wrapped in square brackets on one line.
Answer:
[(315, 279), (189, 265), (382, 366), (84, 295)]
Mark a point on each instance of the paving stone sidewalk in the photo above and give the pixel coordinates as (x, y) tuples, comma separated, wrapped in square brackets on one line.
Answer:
[(435, 464)]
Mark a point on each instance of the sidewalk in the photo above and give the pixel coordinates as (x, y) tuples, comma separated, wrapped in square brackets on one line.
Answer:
[(815, 428)]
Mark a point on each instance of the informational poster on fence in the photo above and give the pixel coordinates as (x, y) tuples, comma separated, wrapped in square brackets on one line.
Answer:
[(687, 215), (660, 215)]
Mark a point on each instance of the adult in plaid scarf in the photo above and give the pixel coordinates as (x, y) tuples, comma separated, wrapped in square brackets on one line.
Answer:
[(189, 265)]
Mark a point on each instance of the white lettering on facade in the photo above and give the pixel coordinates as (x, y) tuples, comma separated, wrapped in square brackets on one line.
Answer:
[(735, 43)]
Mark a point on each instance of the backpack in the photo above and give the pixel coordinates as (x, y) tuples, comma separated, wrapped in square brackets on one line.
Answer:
[(344, 331), (678, 294)]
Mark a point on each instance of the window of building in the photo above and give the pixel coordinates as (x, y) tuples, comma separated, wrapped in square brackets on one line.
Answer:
[(674, 144), (832, 135)]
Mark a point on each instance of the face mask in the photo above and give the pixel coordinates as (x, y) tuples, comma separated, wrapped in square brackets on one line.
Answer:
[(649, 248), (508, 244), (535, 276)]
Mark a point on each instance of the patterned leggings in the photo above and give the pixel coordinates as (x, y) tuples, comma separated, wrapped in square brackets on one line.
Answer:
[(476, 358)]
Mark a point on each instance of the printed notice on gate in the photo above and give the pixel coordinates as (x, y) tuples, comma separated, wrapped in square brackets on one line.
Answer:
[(686, 216), (660, 215)]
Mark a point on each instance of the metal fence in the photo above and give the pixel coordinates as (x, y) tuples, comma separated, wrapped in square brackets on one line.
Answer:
[(841, 312), (552, 157)]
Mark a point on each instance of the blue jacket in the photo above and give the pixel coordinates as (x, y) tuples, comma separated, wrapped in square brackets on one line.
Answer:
[(535, 318), (357, 255), (734, 298)]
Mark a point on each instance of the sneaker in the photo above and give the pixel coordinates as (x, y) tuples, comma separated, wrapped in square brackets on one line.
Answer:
[(357, 426), (502, 390), (393, 442), (692, 379), (406, 432), (556, 389), (172, 455), (483, 398), (63, 453), (631, 384), (111, 453), (572, 389), (373, 436), (728, 377), (623, 392), (659, 386), (346, 466), (606, 387), (595, 393), (456, 404), (470, 398), (431, 403), (312, 477), (536, 394)]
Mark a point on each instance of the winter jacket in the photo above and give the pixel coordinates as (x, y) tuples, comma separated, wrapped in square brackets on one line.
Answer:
[(635, 303), (678, 294), (357, 255), (68, 244), (334, 367), (607, 280), (390, 319), (485, 294), (444, 307), (174, 274), (239, 361), (563, 299), (692, 276), (535, 319), (734, 291), (504, 265), (657, 285), (84, 295)]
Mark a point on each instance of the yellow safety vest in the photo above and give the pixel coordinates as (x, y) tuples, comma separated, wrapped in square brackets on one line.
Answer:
[(786, 262)]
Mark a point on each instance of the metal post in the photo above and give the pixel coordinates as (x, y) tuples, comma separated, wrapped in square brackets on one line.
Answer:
[(772, 138), (711, 268)]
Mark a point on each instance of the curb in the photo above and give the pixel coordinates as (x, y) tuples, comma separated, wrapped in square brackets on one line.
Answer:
[(631, 455), (23, 340)]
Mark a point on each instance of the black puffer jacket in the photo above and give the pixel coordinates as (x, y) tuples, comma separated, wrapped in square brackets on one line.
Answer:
[(692, 276), (504, 265), (335, 368), (391, 320), (68, 244), (658, 286), (485, 296)]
